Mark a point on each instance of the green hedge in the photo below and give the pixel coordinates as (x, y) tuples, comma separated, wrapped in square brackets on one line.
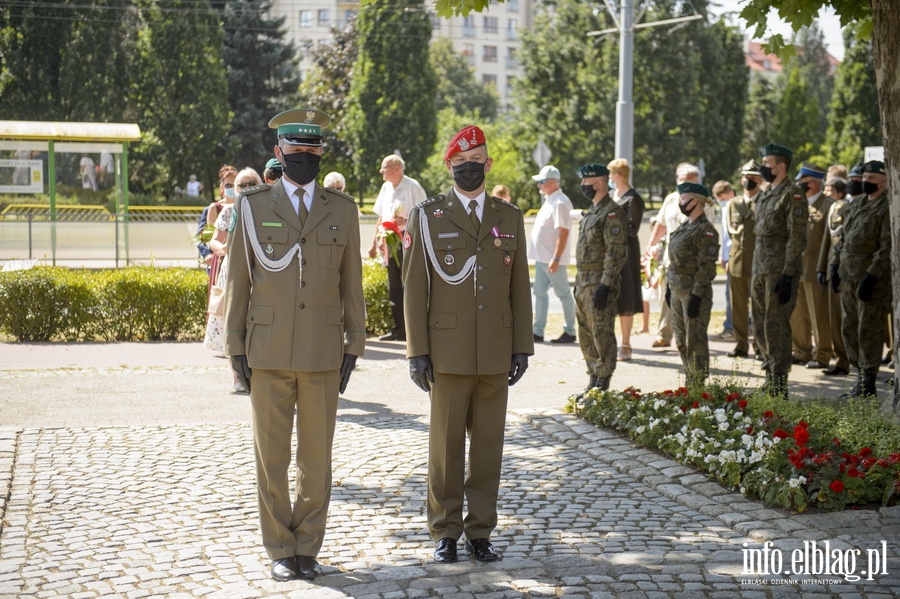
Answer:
[(133, 304)]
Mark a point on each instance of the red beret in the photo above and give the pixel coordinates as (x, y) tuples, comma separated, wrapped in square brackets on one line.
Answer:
[(467, 138)]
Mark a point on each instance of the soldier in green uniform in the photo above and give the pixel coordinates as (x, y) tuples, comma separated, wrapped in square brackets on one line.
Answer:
[(600, 254), (741, 220), (861, 271), (467, 306), (782, 215), (295, 321), (693, 249)]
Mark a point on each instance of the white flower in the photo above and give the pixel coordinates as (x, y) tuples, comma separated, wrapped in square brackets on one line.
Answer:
[(747, 440), (738, 415), (640, 429), (723, 426), (721, 416), (794, 483)]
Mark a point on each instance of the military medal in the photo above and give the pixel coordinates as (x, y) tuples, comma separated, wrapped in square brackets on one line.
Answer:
[(449, 259), (507, 260), (438, 213), (269, 248), (497, 242)]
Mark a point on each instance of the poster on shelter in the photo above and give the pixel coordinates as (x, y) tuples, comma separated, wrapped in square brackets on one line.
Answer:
[(21, 176)]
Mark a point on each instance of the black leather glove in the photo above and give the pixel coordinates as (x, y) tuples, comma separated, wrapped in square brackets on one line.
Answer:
[(421, 372), (783, 288), (518, 368), (242, 370), (668, 296), (866, 287), (835, 279), (820, 277), (347, 366), (693, 310), (601, 297)]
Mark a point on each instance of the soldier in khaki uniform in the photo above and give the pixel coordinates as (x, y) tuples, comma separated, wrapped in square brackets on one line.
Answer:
[(861, 270), (782, 216), (811, 317), (600, 254), (467, 304), (295, 320), (693, 250), (741, 220), (836, 190)]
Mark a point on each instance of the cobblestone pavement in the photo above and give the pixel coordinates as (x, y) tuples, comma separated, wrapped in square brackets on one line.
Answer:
[(157, 499)]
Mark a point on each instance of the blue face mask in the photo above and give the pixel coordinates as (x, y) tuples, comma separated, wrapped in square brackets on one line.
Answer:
[(612, 184), (229, 193)]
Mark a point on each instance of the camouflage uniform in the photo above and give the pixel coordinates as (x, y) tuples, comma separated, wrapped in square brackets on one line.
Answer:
[(865, 247), (693, 250), (782, 216), (600, 255)]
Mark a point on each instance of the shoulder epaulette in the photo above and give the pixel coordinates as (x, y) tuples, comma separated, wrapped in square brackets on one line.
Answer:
[(339, 194), (256, 189), (503, 202), (438, 198)]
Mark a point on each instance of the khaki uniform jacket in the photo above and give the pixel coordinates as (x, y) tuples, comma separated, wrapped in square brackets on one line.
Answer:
[(816, 231), (832, 237), (693, 253), (288, 320), (782, 217), (475, 327), (741, 220), (865, 245)]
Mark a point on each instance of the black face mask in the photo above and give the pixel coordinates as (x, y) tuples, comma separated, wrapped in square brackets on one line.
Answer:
[(588, 191), (869, 188), (749, 184), (767, 174), (854, 187), (804, 186), (301, 167), (469, 176), (684, 207)]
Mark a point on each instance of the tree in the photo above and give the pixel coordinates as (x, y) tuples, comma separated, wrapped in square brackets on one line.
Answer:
[(762, 104), (796, 122), (815, 69), (854, 121), (391, 99), (262, 77), (456, 85)]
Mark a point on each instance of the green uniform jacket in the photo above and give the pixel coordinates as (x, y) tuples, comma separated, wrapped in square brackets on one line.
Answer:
[(601, 251), (865, 245), (741, 221), (285, 320), (782, 216), (832, 237), (476, 326), (816, 231), (693, 253)]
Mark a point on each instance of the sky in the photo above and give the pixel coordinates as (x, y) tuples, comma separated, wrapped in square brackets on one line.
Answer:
[(829, 23)]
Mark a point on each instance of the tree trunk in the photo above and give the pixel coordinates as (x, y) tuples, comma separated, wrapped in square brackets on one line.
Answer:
[(886, 34)]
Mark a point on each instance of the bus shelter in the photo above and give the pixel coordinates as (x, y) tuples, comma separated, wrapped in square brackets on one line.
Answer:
[(37, 157)]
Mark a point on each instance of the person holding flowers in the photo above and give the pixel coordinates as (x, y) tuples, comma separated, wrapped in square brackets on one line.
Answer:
[(398, 195), (693, 251)]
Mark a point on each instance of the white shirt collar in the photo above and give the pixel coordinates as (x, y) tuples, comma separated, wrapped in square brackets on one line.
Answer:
[(465, 202), (290, 189)]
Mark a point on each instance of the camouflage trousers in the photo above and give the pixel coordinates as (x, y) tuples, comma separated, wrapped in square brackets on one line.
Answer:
[(597, 331), (690, 334), (772, 322), (864, 324)]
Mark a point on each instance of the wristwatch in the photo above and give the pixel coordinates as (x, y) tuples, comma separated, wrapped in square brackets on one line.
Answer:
[(555, 259)]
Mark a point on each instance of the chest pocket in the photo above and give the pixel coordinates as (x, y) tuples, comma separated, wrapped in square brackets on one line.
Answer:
[(451, 252), (273, 241), (504, 255), (331, 247), (772, 221)]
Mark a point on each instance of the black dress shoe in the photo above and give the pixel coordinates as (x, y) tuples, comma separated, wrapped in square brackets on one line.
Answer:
[(737, 353), (836, 371), (445, 552), (284, 569), (564, 338), (482, 550), (307, 567), (816, 365), (539, 338)]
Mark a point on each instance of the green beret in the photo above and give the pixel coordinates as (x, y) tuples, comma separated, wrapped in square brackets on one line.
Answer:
[(593, 170), (694, 188), (775, 150), (874, 166), (300, 126), (274, 164)]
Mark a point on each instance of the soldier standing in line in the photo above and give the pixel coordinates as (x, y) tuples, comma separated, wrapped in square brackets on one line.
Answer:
[(693, 250), (861, 272), (600, 254), (467, 303), (741, 220), (295, 315), (810, 318), (781, 222), (837, 191)]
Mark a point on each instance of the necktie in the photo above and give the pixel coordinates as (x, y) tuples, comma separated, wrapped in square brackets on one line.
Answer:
[(304, 211), (473, 215)]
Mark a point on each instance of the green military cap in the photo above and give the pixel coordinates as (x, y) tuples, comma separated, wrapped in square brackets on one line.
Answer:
[(810, 170), (874, 166), (300, 126), (775, 150), (693, 188), (750, 168), (274, 164), (593, 170)]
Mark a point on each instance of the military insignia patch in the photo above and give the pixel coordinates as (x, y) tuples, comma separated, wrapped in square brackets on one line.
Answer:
[(798, 211), (407, 241), (611, 215), (269, 248), (463, 144), (438, 213), (797, 196), (449, 259), (711, 250), (507, 260), (615, 230), (708, 234)]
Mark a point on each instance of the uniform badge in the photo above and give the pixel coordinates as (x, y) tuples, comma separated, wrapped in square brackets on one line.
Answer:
[(333, 227), (407, 241), (497, 242), (507, 260), (615, 230), (611, 215), (269, 248), (438, 213), (463, 144), (449, 259), (798, 211), (710, 235), (449, 204), (711, 250)]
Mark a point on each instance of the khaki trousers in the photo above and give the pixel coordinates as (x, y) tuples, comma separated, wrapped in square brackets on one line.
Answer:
[(740, 312), (293, 526), (473, 406), (811, 318)]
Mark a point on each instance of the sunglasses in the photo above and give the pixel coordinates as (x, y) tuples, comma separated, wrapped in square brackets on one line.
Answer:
[(246, 185)]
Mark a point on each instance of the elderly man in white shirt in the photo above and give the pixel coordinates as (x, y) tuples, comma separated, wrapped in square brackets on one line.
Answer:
[(550, 251), (398, 195)]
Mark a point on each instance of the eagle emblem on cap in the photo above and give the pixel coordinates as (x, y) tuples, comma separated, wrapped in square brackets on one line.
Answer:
[(310, 116)]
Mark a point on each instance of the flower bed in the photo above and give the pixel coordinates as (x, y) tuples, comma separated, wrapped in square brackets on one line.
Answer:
[(791, 463)]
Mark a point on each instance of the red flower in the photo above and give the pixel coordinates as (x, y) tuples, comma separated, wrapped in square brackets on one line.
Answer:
[(836, 486), (854, 472), (742, 404), (704, 395), (836, 442), (695, 405), (865, 452), (802, 424), (781, 434), (684, 408), (800, 435), (750, 430), (768, 414), (796, 458)]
